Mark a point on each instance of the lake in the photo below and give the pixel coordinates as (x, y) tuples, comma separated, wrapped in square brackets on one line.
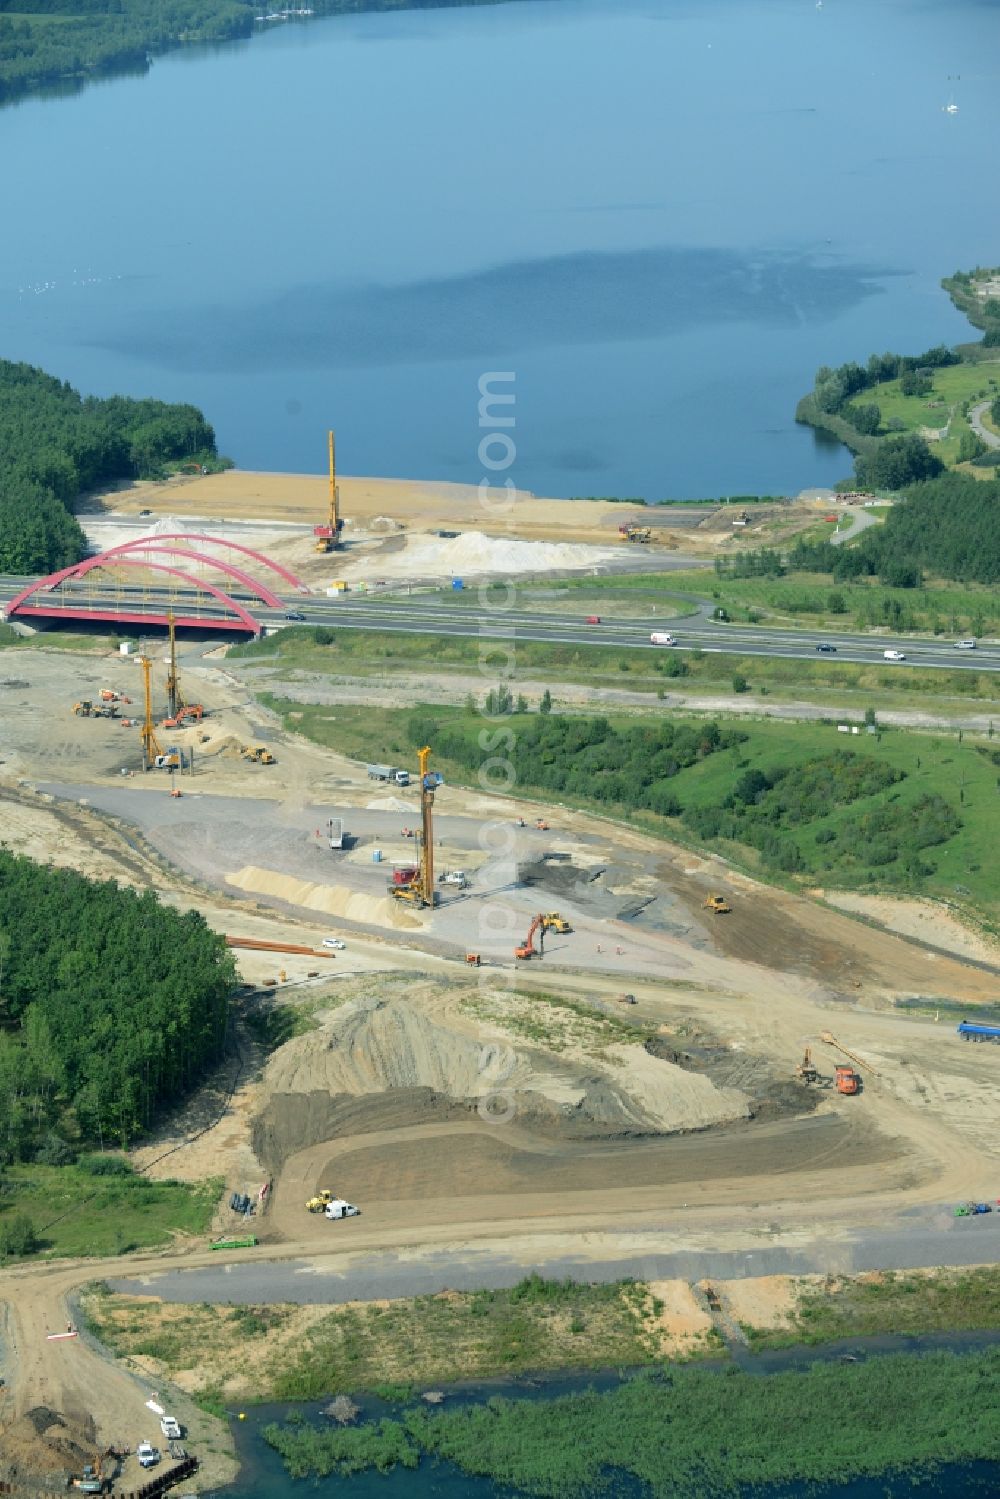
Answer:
[(661, 215)]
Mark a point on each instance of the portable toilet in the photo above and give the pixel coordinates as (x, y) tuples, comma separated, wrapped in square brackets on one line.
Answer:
[(376, 856), (457, 584)]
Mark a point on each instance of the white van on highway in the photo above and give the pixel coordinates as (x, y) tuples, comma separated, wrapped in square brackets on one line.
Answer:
[(893, 656), (965, 645), (661, 637)]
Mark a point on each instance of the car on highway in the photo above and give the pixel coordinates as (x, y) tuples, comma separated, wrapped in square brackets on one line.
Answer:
[(593, 619), (965, 645), (337, 944), (294, 614), (825, 645)]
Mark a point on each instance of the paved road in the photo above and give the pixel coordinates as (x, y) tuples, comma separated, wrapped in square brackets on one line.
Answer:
[(860, 521), (930, 1237), (445, 616), (976, 423)]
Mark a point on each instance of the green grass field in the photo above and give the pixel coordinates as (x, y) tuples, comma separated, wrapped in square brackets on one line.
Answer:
[(966, 774), (952, 386), (74, 1212)]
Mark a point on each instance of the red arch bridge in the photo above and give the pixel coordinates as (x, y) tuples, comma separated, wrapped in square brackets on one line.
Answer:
[(142, 582)]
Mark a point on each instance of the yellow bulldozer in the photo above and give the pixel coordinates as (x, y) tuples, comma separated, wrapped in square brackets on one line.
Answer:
[(553, 922), (718, 904), (318, 1203), (258, 754)]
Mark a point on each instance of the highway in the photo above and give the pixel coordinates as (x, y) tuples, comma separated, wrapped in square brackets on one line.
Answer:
[(460, 616)]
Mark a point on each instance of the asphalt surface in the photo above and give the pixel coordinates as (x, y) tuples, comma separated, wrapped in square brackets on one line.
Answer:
[(931, 1237), (442, 616)]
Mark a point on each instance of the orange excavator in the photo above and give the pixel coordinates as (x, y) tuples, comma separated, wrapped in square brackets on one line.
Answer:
[(528, 949)]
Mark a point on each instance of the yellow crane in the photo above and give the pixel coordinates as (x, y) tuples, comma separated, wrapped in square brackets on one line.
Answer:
[(150, 747), (420, 891), (174, 700), (328, 536)]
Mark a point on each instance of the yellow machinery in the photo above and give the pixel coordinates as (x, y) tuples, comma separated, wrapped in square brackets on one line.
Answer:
[(641, 534), (318, 1203), (328, 536), (553, 922), (174, 700), (718, 904), (258, 753), (420, 890), (150, 746)]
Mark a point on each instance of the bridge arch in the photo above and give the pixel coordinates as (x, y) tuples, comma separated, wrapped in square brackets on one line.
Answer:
[(219, 541), (49, 584), (123, 556)]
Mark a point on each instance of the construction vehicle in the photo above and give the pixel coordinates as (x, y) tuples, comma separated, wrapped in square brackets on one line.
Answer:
[(192, 712), (389, 773), (416, 884), (83, 709), (640, 534), (969, 1031), (108, 695), (104, 710), (972, 1209), (806, 1069), (258, 754), (859, 1063), (527, 948), (718, 904), (541, 824), (626, 999), (328, 536), (92, 1479), (318, 1203), (846, 1079), (553, 922), (474, 959), (169, 760)]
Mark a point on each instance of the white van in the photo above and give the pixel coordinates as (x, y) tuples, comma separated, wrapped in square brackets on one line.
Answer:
[(338, 1208), (660, 637), (893, 656), (965, 645)]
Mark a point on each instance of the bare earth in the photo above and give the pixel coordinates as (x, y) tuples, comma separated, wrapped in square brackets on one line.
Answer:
[(522, 1106)]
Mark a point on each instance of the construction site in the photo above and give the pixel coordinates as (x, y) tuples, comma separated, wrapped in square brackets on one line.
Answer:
[(528, 1028)]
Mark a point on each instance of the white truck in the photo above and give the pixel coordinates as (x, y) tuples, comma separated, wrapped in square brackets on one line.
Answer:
[(893, 656), (170, 1427), (390, 774), (454, 877), (147, 1455), (338, 1208), (662, 637)]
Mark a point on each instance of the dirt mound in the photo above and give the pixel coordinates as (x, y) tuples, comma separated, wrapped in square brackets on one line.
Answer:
[(43, 1441), (295, 1121), (374, 1044), (332, 900)]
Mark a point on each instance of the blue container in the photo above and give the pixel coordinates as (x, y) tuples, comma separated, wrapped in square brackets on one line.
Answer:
[(457, 584), (376, 856)]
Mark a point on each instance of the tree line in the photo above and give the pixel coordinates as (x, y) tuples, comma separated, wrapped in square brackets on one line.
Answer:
[(586, 757), (111, 1007), (62, 43), (56, 444)]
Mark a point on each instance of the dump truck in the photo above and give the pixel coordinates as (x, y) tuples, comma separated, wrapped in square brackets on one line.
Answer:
[(846, 1079), (390, 774), (718, 904), (553, 922), (630, 532)]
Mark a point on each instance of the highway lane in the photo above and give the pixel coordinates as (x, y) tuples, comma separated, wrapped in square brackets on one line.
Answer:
[(500, 626)]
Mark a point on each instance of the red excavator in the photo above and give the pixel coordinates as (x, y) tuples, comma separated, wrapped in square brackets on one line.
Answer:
[(528, 948)]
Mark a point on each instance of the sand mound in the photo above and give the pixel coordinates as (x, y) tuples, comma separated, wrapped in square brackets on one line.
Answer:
[(43, 1441), (332, 900), (371, 1045), (474, 552)]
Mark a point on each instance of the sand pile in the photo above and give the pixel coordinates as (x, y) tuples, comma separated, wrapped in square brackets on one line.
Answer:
[(43, 1441), (332, 900), (474, 553), (372, 1044)]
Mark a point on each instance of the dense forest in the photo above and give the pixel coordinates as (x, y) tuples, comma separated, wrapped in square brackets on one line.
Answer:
[(54, 444), (111, 1006), (51, 43)]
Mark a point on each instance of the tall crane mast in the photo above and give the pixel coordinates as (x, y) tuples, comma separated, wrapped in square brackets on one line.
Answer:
[(427, 786), (174, 700), (328, 536), (150, 747)]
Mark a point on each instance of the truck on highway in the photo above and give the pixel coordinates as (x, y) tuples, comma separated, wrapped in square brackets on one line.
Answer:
[(893, 656), (390, 774), (662, 637)]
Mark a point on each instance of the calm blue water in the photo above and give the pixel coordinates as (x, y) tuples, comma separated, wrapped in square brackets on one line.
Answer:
[(662, 214)]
